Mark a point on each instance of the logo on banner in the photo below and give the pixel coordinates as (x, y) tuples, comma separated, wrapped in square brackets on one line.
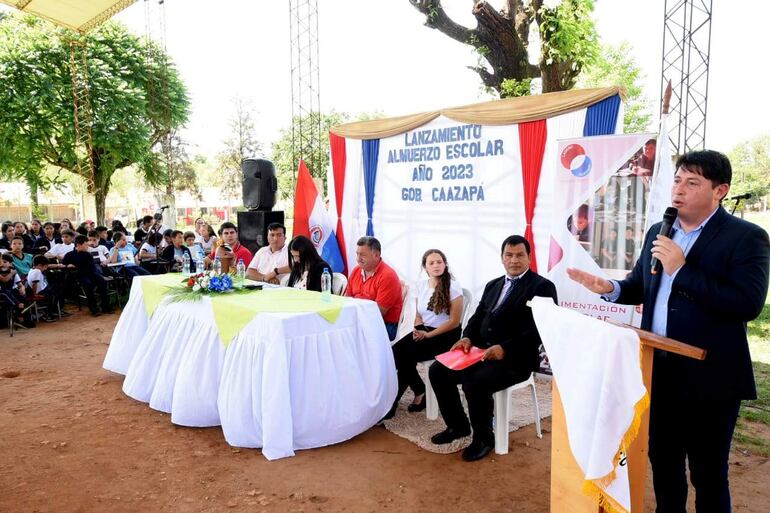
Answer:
[(316, 235), (574, 158)]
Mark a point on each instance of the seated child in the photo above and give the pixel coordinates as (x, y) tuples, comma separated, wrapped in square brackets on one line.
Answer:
[(89, 276), (39, 286), (13, 290)]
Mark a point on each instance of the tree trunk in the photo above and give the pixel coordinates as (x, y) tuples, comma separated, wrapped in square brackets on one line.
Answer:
[(33, 198), (100, 198), (169, 215)]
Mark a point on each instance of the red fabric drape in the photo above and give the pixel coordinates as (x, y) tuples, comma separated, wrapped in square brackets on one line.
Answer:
[(532, 137), (339, 161)]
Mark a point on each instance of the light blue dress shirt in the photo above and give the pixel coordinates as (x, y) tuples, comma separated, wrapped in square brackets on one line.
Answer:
[(660, 312)]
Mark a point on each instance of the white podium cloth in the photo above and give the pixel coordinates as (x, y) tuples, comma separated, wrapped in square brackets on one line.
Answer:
[(602, 391), (287, 381)]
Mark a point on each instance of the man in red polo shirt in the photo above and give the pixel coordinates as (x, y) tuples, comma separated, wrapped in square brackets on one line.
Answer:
[(229, 234), (375, 280)]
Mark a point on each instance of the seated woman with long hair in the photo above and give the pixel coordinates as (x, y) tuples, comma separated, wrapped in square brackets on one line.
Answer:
[(436, 327), (305, 264)]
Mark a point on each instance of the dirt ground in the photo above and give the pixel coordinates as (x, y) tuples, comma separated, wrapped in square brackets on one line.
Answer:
[(71, 441)]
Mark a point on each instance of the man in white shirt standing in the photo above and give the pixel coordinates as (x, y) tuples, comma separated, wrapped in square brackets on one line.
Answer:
[(59, 250), (271, 263)]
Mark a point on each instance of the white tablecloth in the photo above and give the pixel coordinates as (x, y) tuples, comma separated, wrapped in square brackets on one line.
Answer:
[(287, 381)]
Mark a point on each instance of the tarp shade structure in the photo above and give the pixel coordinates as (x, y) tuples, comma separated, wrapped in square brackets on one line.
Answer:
[(497, 112), (79, 15)]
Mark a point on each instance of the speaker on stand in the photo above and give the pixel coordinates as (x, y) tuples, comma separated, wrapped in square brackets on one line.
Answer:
[(259, 196)]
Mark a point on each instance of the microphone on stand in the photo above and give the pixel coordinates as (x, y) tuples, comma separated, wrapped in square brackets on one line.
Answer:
[(744, 196), (669, 216)]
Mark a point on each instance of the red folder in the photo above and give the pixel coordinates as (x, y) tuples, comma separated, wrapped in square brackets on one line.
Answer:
[(458, 360)]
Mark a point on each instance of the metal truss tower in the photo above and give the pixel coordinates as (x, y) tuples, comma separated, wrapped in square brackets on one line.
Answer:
[(686, 45), (305, 96)]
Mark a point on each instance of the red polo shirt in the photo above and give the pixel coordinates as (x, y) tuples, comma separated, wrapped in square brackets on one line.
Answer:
[(240, 252), (382, 286)]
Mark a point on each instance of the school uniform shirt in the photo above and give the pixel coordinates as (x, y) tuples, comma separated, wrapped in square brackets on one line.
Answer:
[(125, 254), (23, 264), (149, 248), (424, 293), (101, 252), (48, 243), (207, 245), (83, 262), (9, 285), (36, 275), (60, 250)]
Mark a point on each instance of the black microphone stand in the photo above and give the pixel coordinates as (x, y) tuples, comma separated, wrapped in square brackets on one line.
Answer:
[(735, 205)]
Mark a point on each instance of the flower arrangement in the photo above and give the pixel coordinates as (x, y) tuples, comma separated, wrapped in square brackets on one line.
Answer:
[(209, 281), (198, 285)]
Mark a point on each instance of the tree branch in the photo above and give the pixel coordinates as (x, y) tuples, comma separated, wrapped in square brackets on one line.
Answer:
[(436, 18)]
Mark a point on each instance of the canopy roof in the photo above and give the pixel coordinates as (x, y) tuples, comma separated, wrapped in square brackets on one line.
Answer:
[(80, 15), (496, 112)]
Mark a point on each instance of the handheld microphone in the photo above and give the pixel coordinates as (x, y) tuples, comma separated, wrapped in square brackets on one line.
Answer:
[(163, 207), (669, 216), (744, 196)]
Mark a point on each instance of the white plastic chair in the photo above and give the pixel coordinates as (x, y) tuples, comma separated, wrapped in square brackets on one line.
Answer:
[(503, 413), (431, 406), (339, 284)]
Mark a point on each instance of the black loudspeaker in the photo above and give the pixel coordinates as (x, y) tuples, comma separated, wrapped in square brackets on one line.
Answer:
[(252, 227), (259, 184)]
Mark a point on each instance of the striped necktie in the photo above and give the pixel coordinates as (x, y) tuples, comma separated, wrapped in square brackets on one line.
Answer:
[(511, 284)]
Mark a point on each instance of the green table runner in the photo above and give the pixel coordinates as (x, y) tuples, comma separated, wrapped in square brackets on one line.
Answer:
[(233, 311)]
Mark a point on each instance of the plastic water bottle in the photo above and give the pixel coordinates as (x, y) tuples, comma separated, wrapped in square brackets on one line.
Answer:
[(186, 264), (200, 265), (217, 265), (326, 286), (241, 271)]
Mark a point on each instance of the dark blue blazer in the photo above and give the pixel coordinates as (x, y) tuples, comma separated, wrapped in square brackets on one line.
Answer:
[(722, 285), (512, 326)]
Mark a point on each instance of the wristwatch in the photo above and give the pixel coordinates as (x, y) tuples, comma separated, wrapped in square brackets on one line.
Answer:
[(275, 270)]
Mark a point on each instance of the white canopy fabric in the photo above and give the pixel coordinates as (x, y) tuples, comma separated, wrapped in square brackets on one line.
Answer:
[(80, 15)]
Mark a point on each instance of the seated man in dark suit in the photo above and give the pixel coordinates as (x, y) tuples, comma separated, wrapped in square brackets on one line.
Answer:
[(503, 325)]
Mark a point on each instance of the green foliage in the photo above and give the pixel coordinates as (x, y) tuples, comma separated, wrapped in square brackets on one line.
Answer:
[(240, 144), (136, 97), (511, 87), (568, 35), (751, 167), (615, 66)]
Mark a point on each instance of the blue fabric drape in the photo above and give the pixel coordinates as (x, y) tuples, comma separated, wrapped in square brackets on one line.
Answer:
[(371, 150), (602, 117)]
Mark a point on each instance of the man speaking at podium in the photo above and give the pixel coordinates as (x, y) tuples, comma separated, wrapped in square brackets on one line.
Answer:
[(713, 280)]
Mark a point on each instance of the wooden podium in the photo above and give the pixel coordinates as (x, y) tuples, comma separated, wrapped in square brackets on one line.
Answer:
[(566, 476)]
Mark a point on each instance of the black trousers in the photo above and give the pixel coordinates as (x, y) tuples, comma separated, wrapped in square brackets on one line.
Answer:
[(479, 381), (700, 432), (90, 283), (407, 353)]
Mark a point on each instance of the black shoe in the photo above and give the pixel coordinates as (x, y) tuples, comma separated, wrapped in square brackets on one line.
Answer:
[(477, 450), (413, 408), (108, 310), (65, 314), (96, 313), (48, 319), (449, 435)]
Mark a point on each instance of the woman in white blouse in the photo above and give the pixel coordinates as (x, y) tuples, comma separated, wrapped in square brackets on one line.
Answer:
[(436, 327)]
